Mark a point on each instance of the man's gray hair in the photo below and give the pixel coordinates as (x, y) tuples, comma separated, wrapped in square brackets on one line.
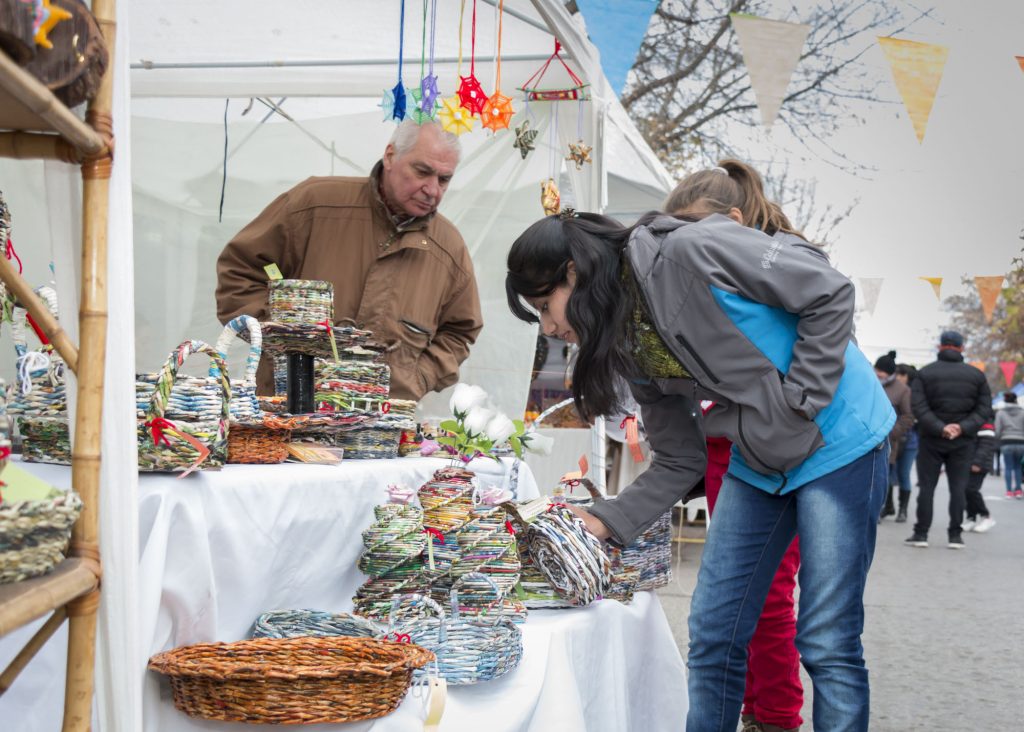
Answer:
[(408, 132)]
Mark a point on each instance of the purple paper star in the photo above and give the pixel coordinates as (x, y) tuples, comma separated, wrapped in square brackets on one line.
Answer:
[(428, 93)]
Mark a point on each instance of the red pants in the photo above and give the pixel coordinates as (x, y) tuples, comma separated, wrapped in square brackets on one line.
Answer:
[(774, 694)]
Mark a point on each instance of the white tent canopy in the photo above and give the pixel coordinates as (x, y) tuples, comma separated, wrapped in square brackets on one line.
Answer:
[(329, 62)]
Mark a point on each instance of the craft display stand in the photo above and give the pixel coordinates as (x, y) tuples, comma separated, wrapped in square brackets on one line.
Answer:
[(34, 124)]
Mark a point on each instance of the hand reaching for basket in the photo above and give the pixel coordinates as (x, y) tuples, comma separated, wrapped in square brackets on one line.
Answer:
[(594, 525)]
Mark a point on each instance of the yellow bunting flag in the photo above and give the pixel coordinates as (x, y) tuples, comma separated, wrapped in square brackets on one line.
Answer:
[(1009, 369), (988, 290), (936, 283), (869, 288), (980, 365), (917, 70), (771, 50)]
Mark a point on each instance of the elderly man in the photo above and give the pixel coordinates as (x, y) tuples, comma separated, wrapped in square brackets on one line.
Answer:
[(398, 267)]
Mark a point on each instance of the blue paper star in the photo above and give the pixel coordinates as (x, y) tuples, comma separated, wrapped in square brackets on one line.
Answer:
[(387, 104), (398, 114)]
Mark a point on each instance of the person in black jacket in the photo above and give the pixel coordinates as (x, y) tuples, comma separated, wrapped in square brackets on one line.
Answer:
[(951, 401), (978, 518)]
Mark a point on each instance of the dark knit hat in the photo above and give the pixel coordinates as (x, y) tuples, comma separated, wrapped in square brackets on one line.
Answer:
[(887, 363), (951, 338)]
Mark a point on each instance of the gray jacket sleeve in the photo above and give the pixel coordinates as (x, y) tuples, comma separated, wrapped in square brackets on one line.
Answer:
[(788, 273), (676, 435)]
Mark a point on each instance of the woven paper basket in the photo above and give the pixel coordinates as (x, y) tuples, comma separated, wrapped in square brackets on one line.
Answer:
[(301, 301), (291, 681), (255, 444), (177, 445), (198, 399), (369, 442), (45, 440), (34, 535), (298, 623), (468, 651)]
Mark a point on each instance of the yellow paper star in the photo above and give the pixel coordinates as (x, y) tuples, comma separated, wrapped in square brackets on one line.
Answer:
[(579, 154), (51, 16), (454, 117)]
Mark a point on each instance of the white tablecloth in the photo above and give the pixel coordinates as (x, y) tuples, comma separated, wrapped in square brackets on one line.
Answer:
[(216, 549)]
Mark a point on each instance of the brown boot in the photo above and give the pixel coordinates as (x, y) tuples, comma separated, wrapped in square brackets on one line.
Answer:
[(750, 723), (776, 728)]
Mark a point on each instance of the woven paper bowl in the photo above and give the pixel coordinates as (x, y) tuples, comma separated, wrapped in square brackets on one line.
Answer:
[(292, 680)]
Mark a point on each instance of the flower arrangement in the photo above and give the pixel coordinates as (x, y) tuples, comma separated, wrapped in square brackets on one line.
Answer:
[(477, 428)]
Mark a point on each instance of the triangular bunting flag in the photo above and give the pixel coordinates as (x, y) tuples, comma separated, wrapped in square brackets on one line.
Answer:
[(870, 287), (1020, 60), (1009, 369), (980, 365), (988, 290), (936, 283), (917, 70), (771, 51)]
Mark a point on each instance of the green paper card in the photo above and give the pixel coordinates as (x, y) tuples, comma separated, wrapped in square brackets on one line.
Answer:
[(21, 485)]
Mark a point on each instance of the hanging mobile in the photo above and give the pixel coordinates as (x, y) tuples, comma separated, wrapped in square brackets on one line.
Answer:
[(497, 112), (454, 117), (393, 102), (470, 93), (428, 97)]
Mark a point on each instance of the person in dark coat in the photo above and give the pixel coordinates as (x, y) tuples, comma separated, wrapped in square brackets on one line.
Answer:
[(978, 518), (899, 394), (951, 401)]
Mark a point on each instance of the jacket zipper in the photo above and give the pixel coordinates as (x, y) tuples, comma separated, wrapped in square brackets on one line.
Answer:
[(700, 362), (743, 440)]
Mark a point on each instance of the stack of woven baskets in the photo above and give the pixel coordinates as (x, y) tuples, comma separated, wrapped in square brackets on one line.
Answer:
[(393, 558), (39, 400)]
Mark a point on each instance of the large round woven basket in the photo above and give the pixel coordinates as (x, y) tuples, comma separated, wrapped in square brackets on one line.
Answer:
[(291, 681), (34, 535)]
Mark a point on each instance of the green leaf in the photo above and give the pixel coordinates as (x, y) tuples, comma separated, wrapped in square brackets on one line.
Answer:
[(449, 441), (450, 425), (517, 446)]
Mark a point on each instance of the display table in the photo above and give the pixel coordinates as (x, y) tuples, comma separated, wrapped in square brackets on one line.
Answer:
[(218, 548)]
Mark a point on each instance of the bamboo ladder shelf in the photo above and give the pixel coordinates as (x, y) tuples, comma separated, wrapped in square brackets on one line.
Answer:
[(35, 125)]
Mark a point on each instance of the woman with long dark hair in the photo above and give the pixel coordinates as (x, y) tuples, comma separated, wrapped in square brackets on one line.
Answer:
[(700, 307)]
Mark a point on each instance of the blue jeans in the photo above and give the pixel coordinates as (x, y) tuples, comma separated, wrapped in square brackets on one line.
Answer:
[(1012, 455), (901, 469), (836, 517)]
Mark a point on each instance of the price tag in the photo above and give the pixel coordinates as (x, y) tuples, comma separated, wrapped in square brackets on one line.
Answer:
[(273, 272)]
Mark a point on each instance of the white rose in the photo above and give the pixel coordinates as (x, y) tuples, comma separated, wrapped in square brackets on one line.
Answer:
[(537, 443), (465, 397), (499, 429), (477, 419)]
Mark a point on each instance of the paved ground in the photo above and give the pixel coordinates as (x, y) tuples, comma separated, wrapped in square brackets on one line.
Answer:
[(945, 629)]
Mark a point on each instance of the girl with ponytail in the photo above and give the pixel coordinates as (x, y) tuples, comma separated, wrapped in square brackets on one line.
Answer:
[(701, 308)]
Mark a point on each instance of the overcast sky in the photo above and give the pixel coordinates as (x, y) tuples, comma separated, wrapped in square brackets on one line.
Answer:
[(948, 207)]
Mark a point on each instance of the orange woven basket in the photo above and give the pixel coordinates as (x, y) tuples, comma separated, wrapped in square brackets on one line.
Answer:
[(292, 680), (257, 445)]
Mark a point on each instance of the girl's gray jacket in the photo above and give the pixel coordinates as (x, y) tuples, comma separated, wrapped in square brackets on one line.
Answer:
[(764, 326), (1010, 424)]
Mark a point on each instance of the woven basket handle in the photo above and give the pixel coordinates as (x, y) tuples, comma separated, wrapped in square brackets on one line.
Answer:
[(396, 602), (19, 318), (454, 594), (236, 327), (165, 382)]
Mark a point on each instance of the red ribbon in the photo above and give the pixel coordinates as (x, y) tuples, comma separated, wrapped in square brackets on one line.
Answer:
[(157, 425), (508, 526), (632, 428), (435, 533), (399, 637), (5, 452), (326, 322)]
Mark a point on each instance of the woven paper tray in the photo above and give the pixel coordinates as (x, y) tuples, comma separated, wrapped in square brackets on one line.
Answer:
[(292, 680)]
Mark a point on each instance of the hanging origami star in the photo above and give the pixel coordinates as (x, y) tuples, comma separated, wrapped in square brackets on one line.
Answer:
[(429, 94), (524, 139), (387, 104), (454, 117), (497, 112), (579, 154), (471, 94), (398, 114), (417, 113), (51, 15)]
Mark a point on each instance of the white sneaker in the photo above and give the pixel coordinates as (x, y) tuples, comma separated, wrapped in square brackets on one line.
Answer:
[(968, 525), (984, 525)]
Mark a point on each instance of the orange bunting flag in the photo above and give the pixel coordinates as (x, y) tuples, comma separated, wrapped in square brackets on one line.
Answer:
[(1009, 369), (917, 71), (936, 283), (1020, 60), (980, 365), (988, 290)]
